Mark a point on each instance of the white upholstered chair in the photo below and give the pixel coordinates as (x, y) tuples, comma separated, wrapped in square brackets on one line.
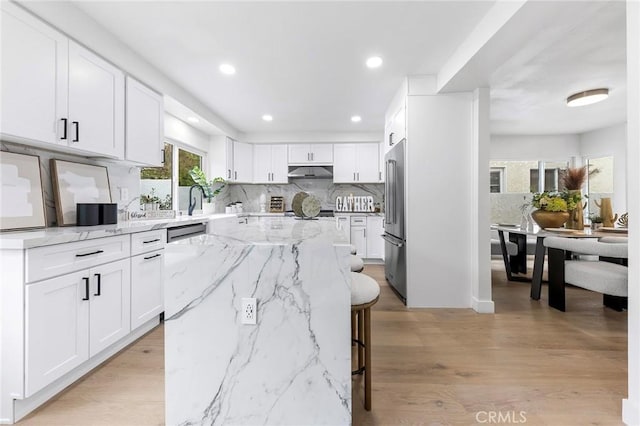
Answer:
[(607, 275)]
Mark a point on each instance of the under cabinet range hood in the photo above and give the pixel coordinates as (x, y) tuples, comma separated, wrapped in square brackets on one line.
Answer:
[(311, 172)]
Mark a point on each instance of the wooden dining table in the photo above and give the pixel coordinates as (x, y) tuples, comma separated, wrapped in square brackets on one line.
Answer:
[(517, 264)]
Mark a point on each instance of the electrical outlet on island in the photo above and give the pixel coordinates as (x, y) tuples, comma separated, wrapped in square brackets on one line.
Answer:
[(249, 310)]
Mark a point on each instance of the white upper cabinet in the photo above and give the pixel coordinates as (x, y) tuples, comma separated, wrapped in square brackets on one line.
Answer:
[(356, 163), (228, 154), (144, 140), (34, 78), (270, 163), (55, 91), (242, 162), (396, 128), (96, 103), (311, 154)]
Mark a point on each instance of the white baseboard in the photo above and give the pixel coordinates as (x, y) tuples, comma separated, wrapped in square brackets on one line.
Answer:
[(22, 407), (630, 412), (483, 306)]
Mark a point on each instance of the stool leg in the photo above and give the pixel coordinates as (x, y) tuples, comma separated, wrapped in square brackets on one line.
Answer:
[(361, 337), (367, 362), (353, 327)]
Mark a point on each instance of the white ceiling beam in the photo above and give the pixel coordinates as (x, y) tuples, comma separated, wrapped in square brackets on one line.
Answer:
[(312, 137), (463, 66)]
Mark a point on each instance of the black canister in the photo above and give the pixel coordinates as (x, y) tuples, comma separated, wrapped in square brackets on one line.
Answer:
[(87, 214), (108, 213)]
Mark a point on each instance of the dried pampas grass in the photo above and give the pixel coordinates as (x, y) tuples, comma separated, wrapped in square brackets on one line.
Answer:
[(574, 177)]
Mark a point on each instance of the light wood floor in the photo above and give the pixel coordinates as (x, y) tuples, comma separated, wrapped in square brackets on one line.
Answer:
[(430, 366)]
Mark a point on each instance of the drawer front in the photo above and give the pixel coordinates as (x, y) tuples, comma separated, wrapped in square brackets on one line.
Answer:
[(144, 242), (51, 261), (359, 220)]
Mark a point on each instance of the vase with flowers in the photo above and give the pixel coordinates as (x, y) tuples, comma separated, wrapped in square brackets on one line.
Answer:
[(553, 208)]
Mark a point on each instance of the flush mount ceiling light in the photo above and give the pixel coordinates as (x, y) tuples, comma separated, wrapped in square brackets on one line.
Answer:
[(193, 119), (587, 97), (227, 69), (356, 119), (267, 117), (374, 62)]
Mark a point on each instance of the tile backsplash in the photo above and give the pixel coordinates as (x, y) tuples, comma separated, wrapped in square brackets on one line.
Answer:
[(324, 189), (120, 176)]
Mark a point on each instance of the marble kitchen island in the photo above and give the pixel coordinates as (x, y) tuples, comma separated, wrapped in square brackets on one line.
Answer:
[(293, 366)]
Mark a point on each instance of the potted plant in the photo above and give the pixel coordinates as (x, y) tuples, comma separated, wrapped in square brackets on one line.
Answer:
[(596, 221), (150, 201), (553, 207), (211, 188)]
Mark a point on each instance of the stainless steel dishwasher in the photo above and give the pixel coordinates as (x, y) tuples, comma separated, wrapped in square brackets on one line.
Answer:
[(185, 231)]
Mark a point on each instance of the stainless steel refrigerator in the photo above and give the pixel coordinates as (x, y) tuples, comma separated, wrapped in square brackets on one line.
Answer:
[(395, 267)]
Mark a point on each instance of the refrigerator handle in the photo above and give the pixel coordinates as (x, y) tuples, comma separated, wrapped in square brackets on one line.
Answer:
[(393, 191), (387, 186)]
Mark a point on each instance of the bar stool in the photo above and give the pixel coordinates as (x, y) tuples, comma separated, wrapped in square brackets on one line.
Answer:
[(357, 264), (365, 292)]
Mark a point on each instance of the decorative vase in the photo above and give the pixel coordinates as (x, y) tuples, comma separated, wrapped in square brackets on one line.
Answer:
[(606, 212), (576, 216), (546, 219), (208, 207)]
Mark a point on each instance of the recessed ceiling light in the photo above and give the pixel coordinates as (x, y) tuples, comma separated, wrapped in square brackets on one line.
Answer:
[(587, 97), (267, 117), (193, 119), (374, 62), (356, 119), (227, 69)]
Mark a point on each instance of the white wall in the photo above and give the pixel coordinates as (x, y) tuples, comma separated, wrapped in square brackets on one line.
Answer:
[(530, 147), (610, 141), (631, 405), (438, 191), (311, 137), (180, 131)]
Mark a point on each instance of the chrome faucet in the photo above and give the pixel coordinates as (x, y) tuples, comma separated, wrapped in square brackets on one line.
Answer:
[(192, 201)]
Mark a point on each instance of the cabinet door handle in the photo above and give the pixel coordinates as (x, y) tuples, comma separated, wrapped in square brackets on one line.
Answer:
[(228, 173), (391, 139), (312, 156), (235, 175), (99, 289), (162, 158), (308, 157), (379, 175), (90, 254), (151, 241), (64, 129), (86, 288), (152, 257), (77, 138), (354, 176), (364, 232)]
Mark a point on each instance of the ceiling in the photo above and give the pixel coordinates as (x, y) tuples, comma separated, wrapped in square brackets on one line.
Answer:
[(587, 51), (303, 62)]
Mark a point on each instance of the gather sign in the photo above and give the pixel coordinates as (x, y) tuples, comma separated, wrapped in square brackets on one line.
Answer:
[(352, 203)]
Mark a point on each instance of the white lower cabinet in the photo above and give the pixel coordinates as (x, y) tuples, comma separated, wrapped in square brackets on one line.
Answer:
[(375, 243), (57, 329), (73, 317), (359, 235), (146, 287)]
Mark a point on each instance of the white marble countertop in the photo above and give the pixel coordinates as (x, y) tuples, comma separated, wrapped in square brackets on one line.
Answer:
[(293, 366), (275, 231), (59, 235)]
